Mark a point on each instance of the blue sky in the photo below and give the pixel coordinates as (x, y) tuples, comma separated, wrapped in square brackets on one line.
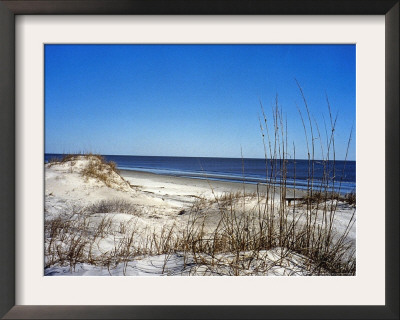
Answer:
[(193, 100)]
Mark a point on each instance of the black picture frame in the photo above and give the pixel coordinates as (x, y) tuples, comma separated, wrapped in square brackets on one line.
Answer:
[(8, 10)]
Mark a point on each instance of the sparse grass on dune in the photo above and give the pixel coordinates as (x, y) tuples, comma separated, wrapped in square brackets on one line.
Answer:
[(99, 169), (116, 205), (228, 198), (258, 230), (96, 167), (69, 157), (235, 245)]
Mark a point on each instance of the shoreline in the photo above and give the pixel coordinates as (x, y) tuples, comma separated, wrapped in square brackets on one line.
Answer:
[(215, 185)]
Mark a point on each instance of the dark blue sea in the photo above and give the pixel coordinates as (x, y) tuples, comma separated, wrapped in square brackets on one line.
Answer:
[(339, 176)]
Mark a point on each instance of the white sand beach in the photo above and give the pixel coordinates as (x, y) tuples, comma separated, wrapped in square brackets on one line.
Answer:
[(133, 223)]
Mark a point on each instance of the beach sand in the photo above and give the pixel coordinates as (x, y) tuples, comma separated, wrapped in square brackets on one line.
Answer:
[(159, 202)]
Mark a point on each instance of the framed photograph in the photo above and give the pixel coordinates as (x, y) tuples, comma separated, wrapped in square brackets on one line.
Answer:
[(199, 160)]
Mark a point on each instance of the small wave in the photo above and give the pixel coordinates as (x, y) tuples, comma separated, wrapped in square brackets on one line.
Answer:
[(337, 186)]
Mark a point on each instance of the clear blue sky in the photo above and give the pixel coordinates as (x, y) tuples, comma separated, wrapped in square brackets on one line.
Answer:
[(192, 100)]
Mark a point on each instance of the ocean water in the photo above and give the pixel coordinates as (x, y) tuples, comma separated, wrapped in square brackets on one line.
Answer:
[(339, 176)]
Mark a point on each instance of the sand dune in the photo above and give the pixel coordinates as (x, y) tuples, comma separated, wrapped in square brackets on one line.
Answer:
[(132, 210)]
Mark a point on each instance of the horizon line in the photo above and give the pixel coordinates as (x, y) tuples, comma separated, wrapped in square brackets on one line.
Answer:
[(161, 156)]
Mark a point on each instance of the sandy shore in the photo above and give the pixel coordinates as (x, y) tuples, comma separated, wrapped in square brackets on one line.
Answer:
[(150, 204), (181, 186)]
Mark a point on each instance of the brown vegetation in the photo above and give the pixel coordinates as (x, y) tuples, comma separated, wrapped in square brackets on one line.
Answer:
[(97, 168)]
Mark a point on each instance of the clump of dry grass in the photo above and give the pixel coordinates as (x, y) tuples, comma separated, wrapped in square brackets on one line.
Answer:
[(97, 168), (100, 169), (109, 206), (64, 159), (229, 198), (66, 240)]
